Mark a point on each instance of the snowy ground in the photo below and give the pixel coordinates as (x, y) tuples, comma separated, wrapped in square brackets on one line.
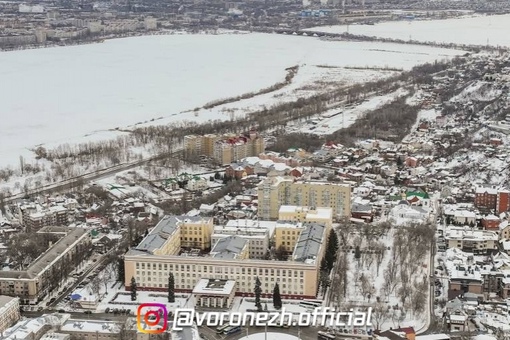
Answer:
[(479, 30), (335, 119), (366, 267), (82, 91)]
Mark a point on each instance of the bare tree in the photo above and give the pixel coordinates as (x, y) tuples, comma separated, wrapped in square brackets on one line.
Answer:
[(380, 314), (380, 250), (95, 287), (366, 287), (419, 297), (108, 274), (391, 279)]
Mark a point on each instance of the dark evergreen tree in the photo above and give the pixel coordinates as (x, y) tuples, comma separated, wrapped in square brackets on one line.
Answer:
[(171, 288), (331, 250), (324, 264), (258, 292), (357, 253), (121, 272), (133, 289), (277, 299)]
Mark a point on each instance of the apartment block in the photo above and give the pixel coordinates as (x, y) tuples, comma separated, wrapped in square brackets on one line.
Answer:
[(32, 284), (492, 199), (486, 198), (503, 201), (274, 192), (34, 216), (225, 149), (468, 240), (9, 312)]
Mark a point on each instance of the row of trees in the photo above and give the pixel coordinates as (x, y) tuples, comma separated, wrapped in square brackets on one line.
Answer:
[(277, 299), (170, 288)]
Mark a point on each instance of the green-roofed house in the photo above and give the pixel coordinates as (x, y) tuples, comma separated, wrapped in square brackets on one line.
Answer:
[(418, 197)]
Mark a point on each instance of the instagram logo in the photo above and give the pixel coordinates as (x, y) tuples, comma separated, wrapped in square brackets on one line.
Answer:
[(153, 314)]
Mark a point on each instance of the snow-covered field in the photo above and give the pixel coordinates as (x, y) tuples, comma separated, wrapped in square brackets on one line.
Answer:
[(479, 30), (369, 280), (340, 118), (60, 95)]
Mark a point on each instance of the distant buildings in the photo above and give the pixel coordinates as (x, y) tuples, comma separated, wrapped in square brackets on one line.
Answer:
[(9, 312), (277, 191), (492, 199), (475, 241), (35, 216), (225, 149)]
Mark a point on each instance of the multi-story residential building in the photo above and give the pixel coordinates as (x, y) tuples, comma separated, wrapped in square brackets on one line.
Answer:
[(193, 145), (492, 199), (34, 216), (503, 201), (236, 148), (229, 260), (466, 280), (486, 198), (274, 192), (9, 312), (476, 241), (32, 284), (225, 149)]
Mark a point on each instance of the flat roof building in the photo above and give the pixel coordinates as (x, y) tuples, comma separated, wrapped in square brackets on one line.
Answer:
[(214, 293), (32, 284)]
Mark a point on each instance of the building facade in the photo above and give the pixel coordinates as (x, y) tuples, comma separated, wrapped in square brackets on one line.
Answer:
[(9, 312), (296, 279), (476, 241), (155, 257), (274, 192), (45, 273), (225, 149)]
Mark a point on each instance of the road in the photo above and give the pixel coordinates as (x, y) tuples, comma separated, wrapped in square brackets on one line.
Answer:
[(432, 277), (90, 176), (82, 316), (82, 277), (70, 290), (305, 333)]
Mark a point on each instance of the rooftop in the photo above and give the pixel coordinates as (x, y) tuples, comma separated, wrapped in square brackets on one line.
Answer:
[(165, 228), (465, 233), (311, 212), (309, 242), (98, 326), (214, 286), (229, 247), (47, 257)]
